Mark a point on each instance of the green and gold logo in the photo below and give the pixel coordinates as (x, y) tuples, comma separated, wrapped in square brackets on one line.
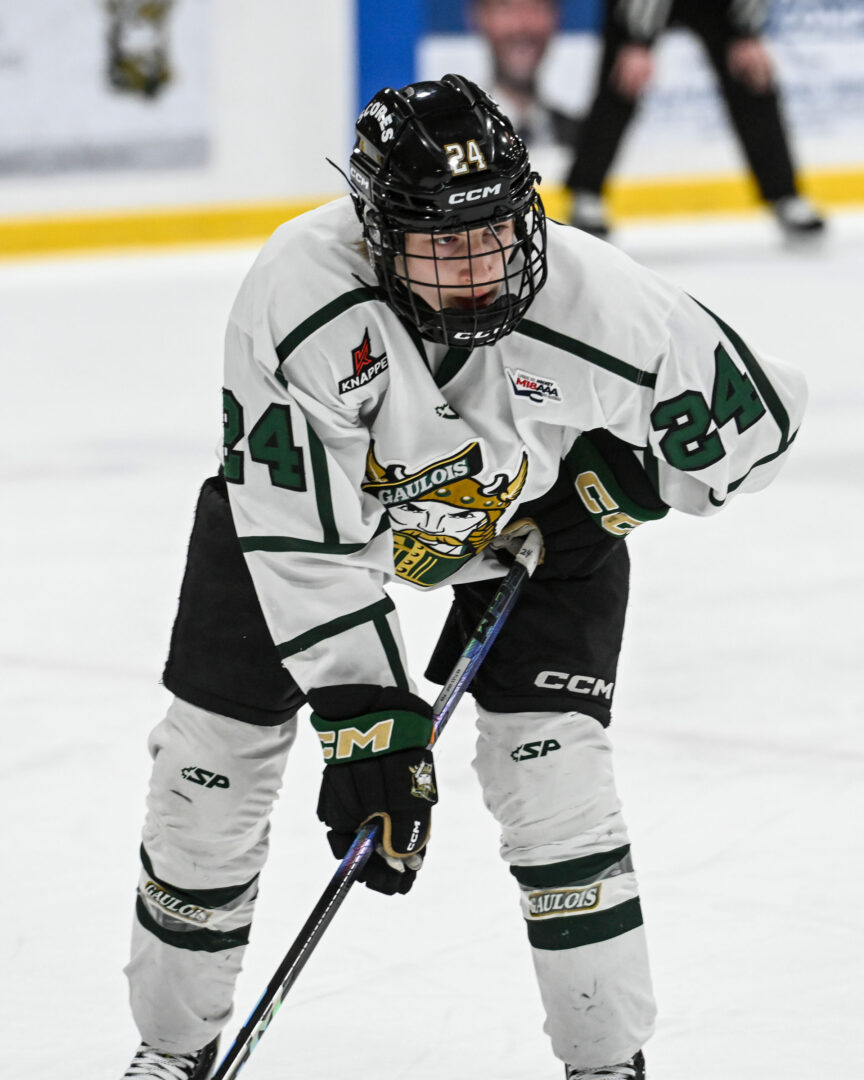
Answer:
[(422, 784), (350, 742), (178, 906), (554, 902), (442, 514)]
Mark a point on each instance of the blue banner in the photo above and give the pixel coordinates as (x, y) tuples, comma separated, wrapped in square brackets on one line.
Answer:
[(389, 32)]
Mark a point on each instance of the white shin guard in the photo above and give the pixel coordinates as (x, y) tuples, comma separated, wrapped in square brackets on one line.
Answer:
[(548, 780), (205, 840)]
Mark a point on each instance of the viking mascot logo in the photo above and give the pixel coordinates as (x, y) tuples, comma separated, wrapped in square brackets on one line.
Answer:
[(441, 515)]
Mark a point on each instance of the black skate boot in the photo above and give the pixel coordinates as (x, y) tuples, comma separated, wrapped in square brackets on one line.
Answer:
[(152, 1064), (634, 1069)]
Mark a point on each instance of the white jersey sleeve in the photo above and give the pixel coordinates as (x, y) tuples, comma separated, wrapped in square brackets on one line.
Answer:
[(704, 412), (318, 548), (721, 416)]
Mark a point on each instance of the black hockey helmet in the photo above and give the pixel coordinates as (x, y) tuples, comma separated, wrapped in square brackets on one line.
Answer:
[(441, 160)]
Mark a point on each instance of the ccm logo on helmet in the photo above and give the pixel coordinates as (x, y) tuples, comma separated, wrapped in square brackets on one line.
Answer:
[(475, 194), (576, 684), (359, 178)]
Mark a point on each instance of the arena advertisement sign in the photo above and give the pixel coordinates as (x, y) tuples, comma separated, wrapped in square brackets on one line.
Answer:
[(817, 45), (818, 50), (104, 85)]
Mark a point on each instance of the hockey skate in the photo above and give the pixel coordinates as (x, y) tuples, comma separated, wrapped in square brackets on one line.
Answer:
[(634, 1069), (152, 1064), (798, 218), (587, 214)]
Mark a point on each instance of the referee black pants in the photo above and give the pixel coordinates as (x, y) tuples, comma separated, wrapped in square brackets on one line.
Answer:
[(756, 117)]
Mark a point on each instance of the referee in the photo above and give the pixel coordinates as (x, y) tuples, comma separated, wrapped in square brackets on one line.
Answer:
[(730, 32)]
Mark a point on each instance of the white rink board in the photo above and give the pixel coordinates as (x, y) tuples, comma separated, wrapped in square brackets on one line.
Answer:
[(267, 84), (60, 112)]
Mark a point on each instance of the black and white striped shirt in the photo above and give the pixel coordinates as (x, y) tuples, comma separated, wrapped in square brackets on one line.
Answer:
[(645, 19)]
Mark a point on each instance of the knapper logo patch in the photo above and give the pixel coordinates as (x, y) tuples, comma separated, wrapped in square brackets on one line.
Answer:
[(366, 366), (536, 388)]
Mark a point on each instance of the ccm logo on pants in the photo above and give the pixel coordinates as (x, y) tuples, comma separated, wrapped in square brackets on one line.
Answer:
[(576, 684)]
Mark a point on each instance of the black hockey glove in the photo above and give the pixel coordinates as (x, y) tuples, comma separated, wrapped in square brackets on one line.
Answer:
[(602, 493), (374, 740)]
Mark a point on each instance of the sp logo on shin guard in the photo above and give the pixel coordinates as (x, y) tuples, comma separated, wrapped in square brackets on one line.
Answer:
[(530, 750), (196, 775)]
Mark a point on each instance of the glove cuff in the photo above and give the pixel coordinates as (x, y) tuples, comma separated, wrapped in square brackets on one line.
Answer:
[(371, 734), (612, 484)]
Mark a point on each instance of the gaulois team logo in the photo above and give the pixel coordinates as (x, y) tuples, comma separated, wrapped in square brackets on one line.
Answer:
[(177, 906), (563, 901), (442, 513), (422, 784), (366, 366)]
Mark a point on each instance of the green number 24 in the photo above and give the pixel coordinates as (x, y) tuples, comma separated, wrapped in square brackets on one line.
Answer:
[(271, 443), (688, 444)]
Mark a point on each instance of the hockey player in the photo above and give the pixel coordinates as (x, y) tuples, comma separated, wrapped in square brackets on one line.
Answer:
[(409, 372)]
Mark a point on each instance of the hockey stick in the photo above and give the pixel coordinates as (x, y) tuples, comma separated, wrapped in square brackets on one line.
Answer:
[(472, 657)]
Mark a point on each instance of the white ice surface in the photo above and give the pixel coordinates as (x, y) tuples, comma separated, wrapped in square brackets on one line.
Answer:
[(738, 730)]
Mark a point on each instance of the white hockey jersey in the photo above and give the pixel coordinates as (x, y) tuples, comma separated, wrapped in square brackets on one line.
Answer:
[(357, 454)]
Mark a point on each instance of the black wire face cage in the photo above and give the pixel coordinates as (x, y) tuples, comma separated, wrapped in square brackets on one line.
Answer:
[(463, 288)]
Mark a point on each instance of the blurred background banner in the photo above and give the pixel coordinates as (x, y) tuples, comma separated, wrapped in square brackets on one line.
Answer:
[(104, 84), (818, 46), (174, 121)]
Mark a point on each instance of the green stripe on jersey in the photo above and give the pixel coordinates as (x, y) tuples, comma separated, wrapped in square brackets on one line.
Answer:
[(454, 360), (313, 547), (321, 317), (571, 871), (762, 461), (335, 626), (769, 396), (586, 352), (321, 479), (571, 931), (391, 650)]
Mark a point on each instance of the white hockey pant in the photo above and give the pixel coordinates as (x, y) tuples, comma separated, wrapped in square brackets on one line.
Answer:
[(547, 778), (205, 841)]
